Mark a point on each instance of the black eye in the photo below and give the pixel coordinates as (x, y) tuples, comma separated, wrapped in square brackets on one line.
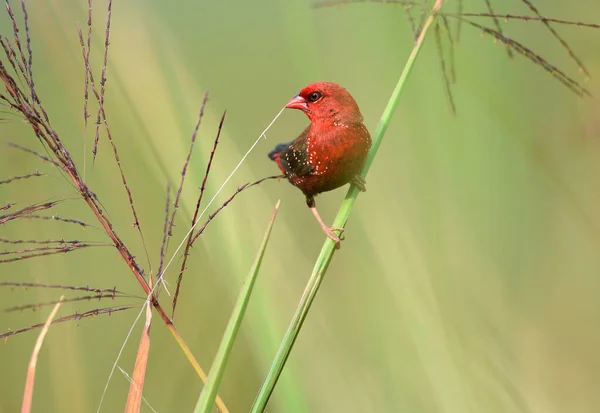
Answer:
[(314, 96)]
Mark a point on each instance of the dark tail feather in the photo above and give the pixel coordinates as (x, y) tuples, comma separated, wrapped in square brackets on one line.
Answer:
[(278, 149)]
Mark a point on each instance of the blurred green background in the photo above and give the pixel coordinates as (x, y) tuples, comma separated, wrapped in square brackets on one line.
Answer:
[(469, 277)]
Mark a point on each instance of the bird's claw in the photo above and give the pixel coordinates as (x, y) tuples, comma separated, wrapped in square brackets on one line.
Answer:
[(360, 182), (335, 238)]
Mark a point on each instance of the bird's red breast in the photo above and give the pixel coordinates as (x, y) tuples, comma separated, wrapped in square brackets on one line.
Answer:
[(333, 148)]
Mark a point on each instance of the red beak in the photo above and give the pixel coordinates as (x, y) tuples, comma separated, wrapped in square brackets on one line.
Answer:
[(297, 102)]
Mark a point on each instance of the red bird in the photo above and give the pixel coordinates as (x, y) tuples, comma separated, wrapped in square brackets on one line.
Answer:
[(332, 149)]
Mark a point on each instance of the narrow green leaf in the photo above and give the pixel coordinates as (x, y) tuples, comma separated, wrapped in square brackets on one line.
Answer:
[(329, 247), (209, 392)]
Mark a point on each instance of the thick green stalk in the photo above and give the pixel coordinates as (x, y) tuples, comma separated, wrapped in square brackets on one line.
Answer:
[(329, 247), (206, 401)]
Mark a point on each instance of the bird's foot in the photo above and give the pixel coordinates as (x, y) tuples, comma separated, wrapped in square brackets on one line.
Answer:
[(329, 231), (360, 182)]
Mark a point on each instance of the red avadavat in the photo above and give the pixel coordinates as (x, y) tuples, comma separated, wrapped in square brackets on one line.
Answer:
[(332, 149)]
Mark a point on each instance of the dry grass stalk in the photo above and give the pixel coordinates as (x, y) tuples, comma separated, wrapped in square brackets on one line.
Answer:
[(136, 386), (29, 381)]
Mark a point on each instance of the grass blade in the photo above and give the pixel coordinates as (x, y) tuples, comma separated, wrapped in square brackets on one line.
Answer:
[(136, 386), (209, 392), (328, 249), (29, 381)]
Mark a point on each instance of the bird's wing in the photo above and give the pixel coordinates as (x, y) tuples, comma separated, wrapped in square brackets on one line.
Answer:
[(294, 159)]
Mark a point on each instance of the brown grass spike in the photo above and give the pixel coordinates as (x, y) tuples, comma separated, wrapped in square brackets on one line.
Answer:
[(43, 130), (37, 306), (208, 166), (196, 212), (411, 21), (76, 316), (39, 155), (238, 191), (11, 54), (44, 251), (6, 206), (185, 166), (61, 219), (35, 241), (16, 178), (163, 243), (459, 10), (438, 43), (528, 53), (102, 79), (100, 100), (322, 4), (27, 211), (86, 88), (488, 4), (18, 68), (18, 43), (451, 66), (26, 67), (59, 248), (557, 36), (527, 18), (87, 288), (29, 52), (422, 16)]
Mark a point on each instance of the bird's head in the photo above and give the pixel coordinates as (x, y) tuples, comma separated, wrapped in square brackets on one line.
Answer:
[(327, 102)]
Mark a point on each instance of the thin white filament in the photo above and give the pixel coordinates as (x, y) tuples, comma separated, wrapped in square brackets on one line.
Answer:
[(221, 188), (130, 380), (112, 370)]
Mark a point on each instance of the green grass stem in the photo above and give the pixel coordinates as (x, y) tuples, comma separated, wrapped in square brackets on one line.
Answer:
[(328, 249), (207, 397)]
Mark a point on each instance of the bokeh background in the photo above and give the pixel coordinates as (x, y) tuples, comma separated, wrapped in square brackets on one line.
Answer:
[(469, 277)]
